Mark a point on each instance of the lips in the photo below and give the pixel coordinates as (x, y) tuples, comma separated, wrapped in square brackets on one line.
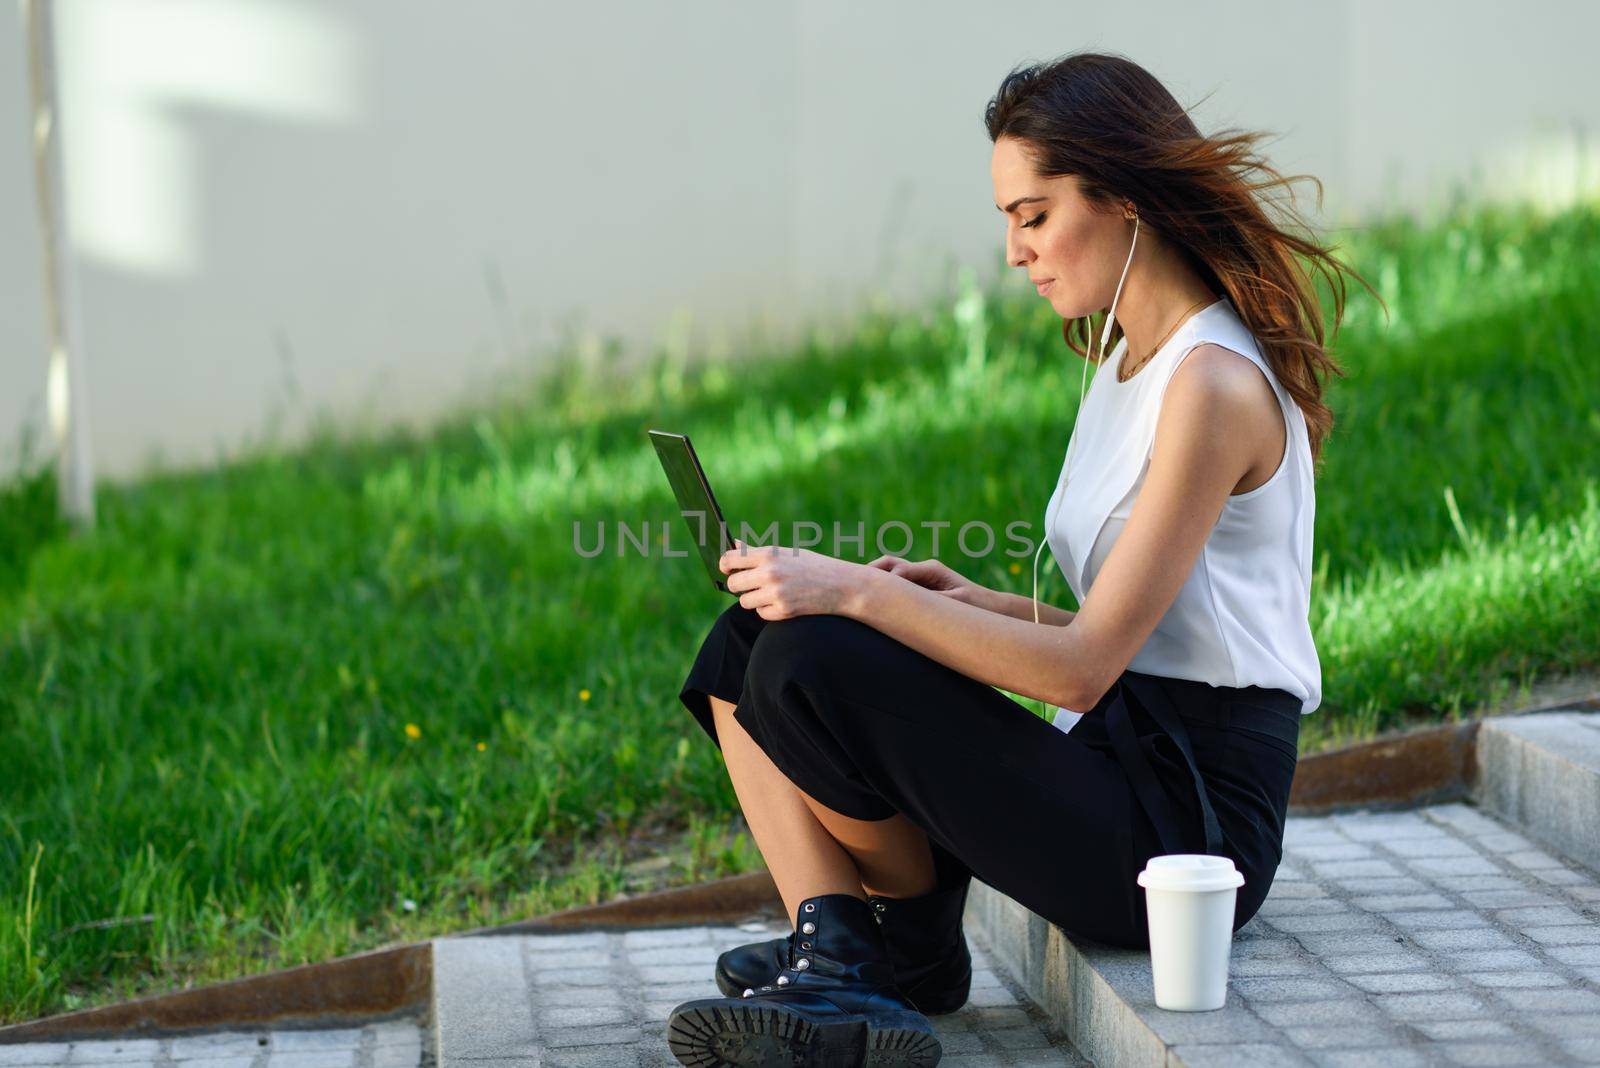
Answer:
[(1044, 286)]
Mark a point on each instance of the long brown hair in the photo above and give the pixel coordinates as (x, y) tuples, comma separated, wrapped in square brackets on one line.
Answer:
[(1108, 121)]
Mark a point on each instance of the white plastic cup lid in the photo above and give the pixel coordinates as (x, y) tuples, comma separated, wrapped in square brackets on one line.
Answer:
[(1190, 871)]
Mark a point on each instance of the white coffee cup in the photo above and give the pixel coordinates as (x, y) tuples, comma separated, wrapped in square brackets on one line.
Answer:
[(1190, 900)]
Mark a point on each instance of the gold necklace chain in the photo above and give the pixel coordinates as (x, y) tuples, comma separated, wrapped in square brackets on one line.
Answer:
[(1124, 376)]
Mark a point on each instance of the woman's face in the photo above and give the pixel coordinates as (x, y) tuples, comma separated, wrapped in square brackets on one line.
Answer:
[(1072, 252)]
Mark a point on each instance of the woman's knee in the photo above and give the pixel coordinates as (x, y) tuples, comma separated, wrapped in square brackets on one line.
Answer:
[(800, 650)]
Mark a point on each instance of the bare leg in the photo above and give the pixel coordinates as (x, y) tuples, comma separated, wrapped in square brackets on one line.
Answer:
[(809, 848)]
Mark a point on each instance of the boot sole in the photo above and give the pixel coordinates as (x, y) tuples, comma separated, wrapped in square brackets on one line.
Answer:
[(940, 1005), (750, 1036)]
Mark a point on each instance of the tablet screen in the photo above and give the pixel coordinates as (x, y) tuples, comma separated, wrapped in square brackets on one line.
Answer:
[(708, 531)]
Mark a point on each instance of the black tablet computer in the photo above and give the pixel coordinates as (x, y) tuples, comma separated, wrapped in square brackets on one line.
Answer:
[(707, 529)]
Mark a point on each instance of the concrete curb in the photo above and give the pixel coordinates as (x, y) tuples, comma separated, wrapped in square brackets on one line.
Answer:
[(1542, 772)]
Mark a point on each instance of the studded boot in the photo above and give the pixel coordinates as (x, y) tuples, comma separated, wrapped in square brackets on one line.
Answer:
[(927, 947), (834, 1004)]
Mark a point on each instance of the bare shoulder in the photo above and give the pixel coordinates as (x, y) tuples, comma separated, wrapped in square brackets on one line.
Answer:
[(1229, 396)]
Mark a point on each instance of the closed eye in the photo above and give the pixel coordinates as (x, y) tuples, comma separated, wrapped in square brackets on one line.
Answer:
[(1035, 221)]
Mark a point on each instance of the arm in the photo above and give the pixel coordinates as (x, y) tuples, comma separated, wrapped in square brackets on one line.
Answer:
[(1210, 428), (1018, 607)]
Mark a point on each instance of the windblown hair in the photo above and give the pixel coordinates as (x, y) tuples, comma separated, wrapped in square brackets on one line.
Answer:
[(1109, 122)]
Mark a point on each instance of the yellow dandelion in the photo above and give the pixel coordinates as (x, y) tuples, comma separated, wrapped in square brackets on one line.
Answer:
[(1016, 568), (482, 746), (413, 731), (583, 695)]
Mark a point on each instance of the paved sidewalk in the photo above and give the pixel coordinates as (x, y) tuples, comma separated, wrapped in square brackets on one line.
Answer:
[(603, 998), (392, 1044), (1433, 936), (1436, 936)]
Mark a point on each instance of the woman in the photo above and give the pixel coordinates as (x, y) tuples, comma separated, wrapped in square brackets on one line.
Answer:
[(856, 706)]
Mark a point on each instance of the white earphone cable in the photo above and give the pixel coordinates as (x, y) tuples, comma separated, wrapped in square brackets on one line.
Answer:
[(1105, 336)]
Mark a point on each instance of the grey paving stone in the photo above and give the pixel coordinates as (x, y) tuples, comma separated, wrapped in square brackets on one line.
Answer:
[(1440, 1006), (1565, 1000), (1463, 818), (1560, 876), (589, 1057), (1339, 851), (1401, 884), (1474, 865), (217, 1044), (1546, 916), (678, 936), (1393, 902), (1338, 921), (1312, 1013), (687, 954), (1532, 859), (1385, 826), (1402, 982), (1429, 919), (1463, 938), (1368, 1058), (568, 959), (1441, 845), (1565, 1025), (570, 1037), (31, 1053), (1357, 963), (1444, 1030), (584, 1015), (236, 1061), (1514, 979), (315, 1041), (1280, 989), (397, 1056), (310, 1058), (1300, 833), (394, 1033), (111, 1051), (1344, 1036), (1483, 960), (1574, 954), (1300, 906), (1240, 1055), (1265, 947), (566, 942), (1506, 899), (1502, 842), (1253, 967), (1492, 1054), (1019, 1038), (1461, 884), (1350, 869), (1587, 935)]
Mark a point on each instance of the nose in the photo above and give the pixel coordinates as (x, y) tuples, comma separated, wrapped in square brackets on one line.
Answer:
[(1018, 254)]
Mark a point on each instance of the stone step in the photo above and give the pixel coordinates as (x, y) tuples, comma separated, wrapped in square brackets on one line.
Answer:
[(1440, 935), (1542, 772), (602, 999)]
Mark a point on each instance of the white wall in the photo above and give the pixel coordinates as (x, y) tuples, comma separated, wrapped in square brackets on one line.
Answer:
[(23, 353), (375, 207)]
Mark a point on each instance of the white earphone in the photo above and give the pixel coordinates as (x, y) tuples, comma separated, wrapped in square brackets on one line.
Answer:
[(1105, 336)]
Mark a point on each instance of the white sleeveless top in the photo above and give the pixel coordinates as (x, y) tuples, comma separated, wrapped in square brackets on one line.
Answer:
[(1242, 616)]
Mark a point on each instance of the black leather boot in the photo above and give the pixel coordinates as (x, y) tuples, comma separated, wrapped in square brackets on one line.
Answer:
[(927, 947), (833, 1005)]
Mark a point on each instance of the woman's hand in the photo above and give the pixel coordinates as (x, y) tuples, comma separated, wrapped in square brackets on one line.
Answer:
[(781, 583), (933, 575)]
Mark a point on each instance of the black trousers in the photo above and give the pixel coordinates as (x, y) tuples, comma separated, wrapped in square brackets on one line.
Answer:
[(1062, 822)]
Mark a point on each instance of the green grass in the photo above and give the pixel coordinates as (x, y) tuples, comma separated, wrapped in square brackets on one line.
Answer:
[(204, 705)]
